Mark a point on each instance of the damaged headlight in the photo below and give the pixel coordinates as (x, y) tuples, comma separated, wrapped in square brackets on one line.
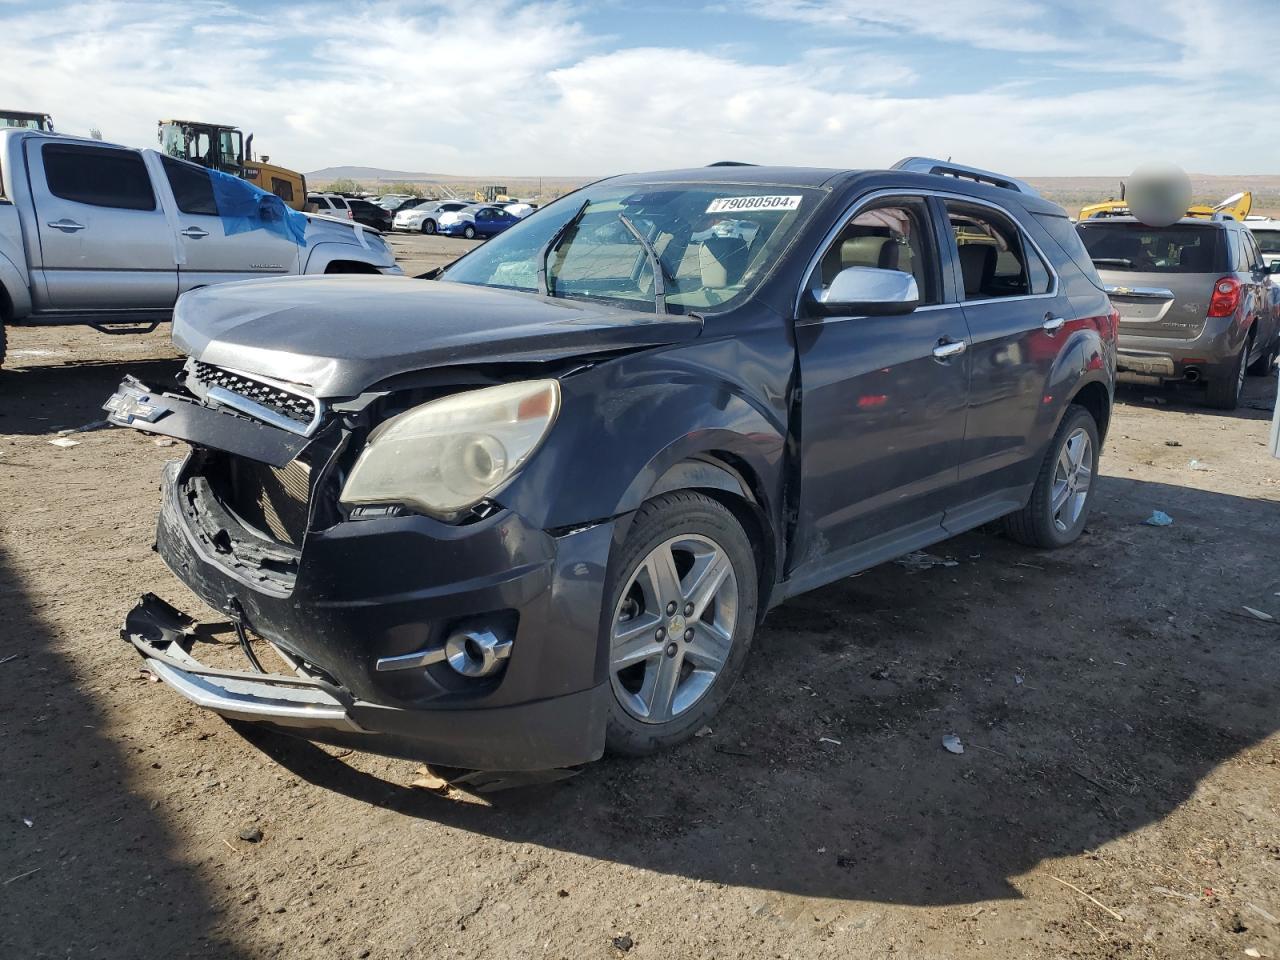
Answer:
[(447, 455)]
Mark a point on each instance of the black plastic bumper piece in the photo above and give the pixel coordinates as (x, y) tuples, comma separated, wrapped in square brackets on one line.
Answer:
[(546, 734)]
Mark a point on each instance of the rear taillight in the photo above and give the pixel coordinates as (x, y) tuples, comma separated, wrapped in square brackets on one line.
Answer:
[(1226, 297)]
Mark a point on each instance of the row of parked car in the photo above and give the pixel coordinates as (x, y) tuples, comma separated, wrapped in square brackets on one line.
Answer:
[(454, 218), (458, 218)]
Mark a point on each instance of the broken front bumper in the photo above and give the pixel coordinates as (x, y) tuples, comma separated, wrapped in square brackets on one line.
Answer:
[(355, 605), (558, 732)]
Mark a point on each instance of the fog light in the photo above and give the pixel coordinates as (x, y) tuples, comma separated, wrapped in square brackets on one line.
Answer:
[(476, 653)]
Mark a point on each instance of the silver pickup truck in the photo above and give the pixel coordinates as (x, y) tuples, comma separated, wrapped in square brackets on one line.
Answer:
[(98, 234)]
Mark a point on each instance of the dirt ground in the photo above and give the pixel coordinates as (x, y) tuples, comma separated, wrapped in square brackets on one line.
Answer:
[(1117, 796)]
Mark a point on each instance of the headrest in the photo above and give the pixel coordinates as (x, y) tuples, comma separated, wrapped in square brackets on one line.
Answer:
[(977, 265), (881, 252)]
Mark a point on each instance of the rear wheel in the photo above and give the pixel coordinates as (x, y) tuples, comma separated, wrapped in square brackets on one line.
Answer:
[(1224, 388), (681, 615), (428, 226), (469, 232), (1060, 501), (1262, 366)]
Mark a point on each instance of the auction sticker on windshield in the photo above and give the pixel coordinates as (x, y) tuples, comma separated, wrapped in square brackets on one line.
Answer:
[(727, 204)]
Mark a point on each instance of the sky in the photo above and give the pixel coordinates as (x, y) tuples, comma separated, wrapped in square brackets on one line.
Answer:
[(1027, 87)]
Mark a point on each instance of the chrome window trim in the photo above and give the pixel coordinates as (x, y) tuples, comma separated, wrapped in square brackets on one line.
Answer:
[(907, 193)]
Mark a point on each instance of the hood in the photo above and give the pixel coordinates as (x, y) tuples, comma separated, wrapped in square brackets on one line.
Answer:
[(339, 335)]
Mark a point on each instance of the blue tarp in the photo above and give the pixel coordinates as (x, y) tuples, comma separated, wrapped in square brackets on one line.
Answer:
[(243, 207)]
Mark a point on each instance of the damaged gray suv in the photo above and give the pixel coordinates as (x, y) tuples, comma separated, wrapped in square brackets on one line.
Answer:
[(536, 507)]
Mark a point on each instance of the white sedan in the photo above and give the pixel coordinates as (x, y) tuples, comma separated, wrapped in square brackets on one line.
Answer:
[(425, 218)]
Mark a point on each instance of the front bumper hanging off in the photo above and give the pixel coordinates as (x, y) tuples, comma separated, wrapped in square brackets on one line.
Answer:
[(546, 734), (354, 602)]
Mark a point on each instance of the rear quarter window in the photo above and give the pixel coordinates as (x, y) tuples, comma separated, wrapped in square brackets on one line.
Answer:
[(1063, 232), (339, 202)]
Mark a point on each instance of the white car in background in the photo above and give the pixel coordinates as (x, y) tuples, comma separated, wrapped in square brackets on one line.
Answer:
[(1267, 232), (426, 217)]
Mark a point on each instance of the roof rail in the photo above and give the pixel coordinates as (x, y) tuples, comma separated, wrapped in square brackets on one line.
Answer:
[(946, 168)]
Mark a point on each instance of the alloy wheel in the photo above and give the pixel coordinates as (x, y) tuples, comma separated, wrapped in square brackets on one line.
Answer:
[(1072, 476), (673, 628)]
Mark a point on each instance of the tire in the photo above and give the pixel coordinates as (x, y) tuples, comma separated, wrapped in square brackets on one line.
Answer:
[(469, 232), (700, 536), (1042, 524), (428, 226), (3, 342), (1262, 366), (1223, 389)]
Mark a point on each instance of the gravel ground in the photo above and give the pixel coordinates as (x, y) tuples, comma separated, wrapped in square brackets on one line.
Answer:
[(1117, 796)]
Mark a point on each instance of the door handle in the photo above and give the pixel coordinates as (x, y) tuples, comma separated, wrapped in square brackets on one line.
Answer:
[(1053, 324), (195, 233), (946, 349), (65, 225)]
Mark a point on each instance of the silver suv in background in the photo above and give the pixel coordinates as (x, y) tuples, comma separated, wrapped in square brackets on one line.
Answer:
[(1195, 301)]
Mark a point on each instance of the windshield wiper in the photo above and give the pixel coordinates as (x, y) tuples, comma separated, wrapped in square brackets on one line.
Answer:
[(1111, 262), (655, 263), (549, 247)]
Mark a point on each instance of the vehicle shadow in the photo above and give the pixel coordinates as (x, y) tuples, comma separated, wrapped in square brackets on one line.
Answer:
[(47, 398), (87, 867), (1093, 688), (1257, 400)]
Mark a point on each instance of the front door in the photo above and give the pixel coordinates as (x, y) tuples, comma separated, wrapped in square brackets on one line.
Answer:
[(214, 248), (104, 241), (882, 399)]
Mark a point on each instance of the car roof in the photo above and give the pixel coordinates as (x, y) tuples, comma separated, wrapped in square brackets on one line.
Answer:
[(1184, 222), (833, 179)]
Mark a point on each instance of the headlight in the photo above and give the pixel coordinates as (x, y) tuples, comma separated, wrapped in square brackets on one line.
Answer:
[(449, 454)]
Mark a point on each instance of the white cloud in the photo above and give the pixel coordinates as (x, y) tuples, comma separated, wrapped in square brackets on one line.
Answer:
[(985, 24), (433, 87)]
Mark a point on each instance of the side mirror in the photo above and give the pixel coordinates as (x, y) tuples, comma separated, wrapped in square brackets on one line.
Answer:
[(869, 291)]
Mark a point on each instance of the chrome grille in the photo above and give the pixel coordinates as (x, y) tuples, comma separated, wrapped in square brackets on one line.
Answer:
[(299, 409)]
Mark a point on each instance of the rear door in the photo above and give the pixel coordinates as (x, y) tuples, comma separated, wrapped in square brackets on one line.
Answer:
[(884, 397), (1018, 320), (215, 249), (104, 241)]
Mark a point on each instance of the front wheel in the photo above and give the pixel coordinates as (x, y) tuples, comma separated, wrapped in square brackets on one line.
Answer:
[(1060, 501), (428, 226), (681, 612), (1225, 385)]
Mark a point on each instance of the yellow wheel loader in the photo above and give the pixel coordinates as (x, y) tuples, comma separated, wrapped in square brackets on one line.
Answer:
[(221, 147)]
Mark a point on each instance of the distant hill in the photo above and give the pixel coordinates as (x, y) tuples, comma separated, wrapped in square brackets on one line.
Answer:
[(373, 178), (367, 173)]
